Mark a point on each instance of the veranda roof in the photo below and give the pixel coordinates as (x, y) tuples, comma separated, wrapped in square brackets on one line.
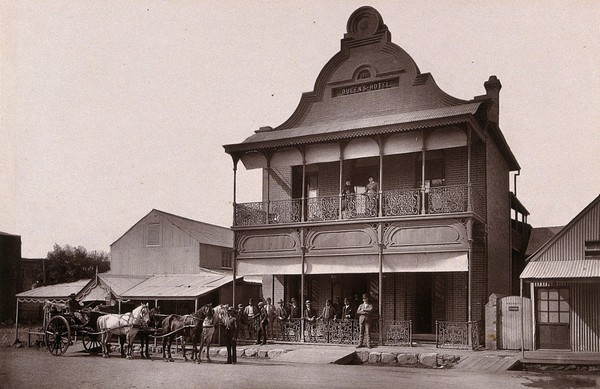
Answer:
[(177, 286), (371, 125)]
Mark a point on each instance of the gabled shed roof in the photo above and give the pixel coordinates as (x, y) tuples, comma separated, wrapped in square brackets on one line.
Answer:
[(204, 233), (563, 255)]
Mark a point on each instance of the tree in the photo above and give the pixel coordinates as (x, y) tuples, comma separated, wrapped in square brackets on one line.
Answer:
[(68, 264)]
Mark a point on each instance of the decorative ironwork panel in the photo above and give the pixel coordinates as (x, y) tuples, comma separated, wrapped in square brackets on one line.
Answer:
[(284, 211), (323, 208), (401, 202), (355, 206), (447, 199), (250, 214), (332, 331), (289, 330), (458, 335), (398, 333)]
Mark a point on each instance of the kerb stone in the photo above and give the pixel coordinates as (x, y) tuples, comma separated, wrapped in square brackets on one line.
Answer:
[(428, 359), (407, 359)]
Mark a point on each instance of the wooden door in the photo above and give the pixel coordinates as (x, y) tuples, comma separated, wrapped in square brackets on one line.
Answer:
[(553, 318), (512, 326)]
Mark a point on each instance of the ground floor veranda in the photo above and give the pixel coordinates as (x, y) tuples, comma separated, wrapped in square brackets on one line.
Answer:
[(409, 307)]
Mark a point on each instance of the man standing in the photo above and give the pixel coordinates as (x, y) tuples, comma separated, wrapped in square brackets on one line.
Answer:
[(250, 313), (263, 322), (294, 310), (364, 316), (310, 320), (270, 309), (282, 317), (329, 312), (347, 311), (231, 334)]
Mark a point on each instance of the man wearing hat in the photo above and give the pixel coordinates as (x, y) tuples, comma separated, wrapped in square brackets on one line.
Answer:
[(263, 322), (271, 314), (282, 316), (294, 312), (231, 334), (310, 318), (364, 316)]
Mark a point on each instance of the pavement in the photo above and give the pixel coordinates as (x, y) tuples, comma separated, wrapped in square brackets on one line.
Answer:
[(485, 360), (468, 360)]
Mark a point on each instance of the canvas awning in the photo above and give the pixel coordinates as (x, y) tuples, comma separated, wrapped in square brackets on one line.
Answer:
[(451, 261), (54, 293)]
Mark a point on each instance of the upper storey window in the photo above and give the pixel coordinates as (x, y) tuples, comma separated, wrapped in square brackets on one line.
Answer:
[(592, 249)]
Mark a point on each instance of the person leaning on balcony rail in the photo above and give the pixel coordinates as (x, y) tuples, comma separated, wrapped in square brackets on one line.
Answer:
[(294, 311), (347, 310), (364, 321), (282, 316), (310, 318), (372, 187), (328, 311)]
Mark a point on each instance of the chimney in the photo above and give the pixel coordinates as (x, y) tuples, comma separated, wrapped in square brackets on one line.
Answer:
[(492, 89)]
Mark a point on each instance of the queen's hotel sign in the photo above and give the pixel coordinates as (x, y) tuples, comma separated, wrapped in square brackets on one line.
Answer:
[(365, 87)]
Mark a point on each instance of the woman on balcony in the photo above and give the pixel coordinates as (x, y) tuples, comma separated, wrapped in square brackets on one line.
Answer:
[(371, 192)]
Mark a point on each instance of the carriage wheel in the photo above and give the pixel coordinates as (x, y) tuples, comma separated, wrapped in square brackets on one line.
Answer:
[(91, 343), (58, 335)]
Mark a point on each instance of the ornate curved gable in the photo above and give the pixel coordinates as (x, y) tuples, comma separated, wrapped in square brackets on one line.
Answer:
[(369, 76)]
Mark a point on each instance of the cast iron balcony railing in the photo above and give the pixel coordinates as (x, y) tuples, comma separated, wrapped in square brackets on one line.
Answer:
[(395, 203)]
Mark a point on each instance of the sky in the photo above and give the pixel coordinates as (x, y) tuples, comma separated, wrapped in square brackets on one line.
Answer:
[(109, 109)]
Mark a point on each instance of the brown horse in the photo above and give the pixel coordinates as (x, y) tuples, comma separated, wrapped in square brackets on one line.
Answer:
[(154, 324), (175, 325)]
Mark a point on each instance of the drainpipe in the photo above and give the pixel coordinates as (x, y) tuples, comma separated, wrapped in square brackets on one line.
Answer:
[(302, 253), (518, 173), (235, 161), (522, 321), (380, 237)]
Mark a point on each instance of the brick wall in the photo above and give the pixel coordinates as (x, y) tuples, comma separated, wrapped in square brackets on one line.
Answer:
[(280, 183), (329, 179), (456, 165), (498, 222)]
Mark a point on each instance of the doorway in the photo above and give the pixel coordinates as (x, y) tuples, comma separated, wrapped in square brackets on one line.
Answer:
[(423, 304)]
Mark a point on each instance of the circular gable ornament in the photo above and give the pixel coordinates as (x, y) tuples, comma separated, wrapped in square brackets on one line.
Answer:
[(363, 23)]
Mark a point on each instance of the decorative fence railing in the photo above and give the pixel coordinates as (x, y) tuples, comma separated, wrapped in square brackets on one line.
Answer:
[(404, 202), (322, 208), (397, 333), (458, 335)]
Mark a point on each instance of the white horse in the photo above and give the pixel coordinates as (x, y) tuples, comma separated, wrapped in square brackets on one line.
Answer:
[(126, 324)]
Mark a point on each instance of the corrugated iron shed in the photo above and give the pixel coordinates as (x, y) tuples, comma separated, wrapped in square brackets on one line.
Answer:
[(178, 286), (582, 268)]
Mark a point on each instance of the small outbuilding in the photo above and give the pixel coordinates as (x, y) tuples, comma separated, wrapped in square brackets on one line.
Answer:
[(564, 280)]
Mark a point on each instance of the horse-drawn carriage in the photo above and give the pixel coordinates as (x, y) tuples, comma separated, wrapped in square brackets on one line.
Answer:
[(62, 327)]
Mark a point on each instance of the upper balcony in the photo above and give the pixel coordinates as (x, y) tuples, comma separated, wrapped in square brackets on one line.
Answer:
[(450, 199)]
